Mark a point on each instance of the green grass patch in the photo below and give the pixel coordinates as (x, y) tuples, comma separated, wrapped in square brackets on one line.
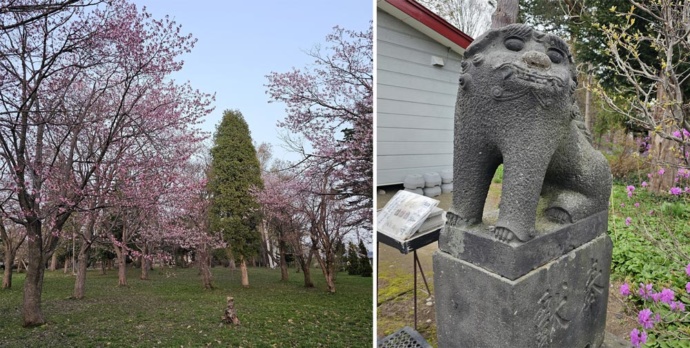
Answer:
[(172, 310), (498, 175)]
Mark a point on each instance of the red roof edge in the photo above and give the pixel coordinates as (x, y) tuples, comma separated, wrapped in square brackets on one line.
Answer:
[(432, 20)]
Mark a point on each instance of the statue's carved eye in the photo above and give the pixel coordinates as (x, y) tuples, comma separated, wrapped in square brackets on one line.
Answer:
[(514, 43), (555, 55)]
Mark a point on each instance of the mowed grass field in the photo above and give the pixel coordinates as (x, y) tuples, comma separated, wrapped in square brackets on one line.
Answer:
[(173, 310)]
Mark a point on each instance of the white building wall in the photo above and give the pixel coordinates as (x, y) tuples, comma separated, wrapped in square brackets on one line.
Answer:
[(416, 102)]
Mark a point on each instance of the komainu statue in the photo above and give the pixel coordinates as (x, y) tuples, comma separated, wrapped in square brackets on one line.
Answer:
[(516, 106)]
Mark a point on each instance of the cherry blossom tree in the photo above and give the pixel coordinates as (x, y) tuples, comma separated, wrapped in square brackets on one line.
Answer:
[(284, 221), (78, 86), (305, 215), (188, 221), (329, 223), (330, 105)]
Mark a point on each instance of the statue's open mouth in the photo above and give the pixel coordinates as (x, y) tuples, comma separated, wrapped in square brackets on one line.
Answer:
[(512, 70)]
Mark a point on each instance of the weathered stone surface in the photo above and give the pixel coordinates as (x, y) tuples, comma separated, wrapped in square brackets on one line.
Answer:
[(515, 106), (560, 304), (478, 246)]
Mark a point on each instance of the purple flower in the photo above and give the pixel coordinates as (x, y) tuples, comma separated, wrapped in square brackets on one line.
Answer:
[(661, 171), (625, 289), (630, 190), (649, 175), (651, 212), (676, 134), (687, 287), (667, 295), (637, 204), (645, 318), (675, 191), (645, 291), (628, 220), (622, 205), (637, 338), (686, 133), (687, 270), (656, 296), (677, 306), (644, 183)]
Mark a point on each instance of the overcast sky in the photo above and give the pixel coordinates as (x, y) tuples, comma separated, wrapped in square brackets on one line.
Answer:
[(240, 42)]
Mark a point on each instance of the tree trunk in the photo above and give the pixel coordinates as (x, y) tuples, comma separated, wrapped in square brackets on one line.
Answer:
[(204, 269), (32, 315), (7, 275), (245, 275), (64, 269), (663, 157), (306, 269), (82, 260), (145, 267), (122, 273), (122, 267), (53, 262), (145, 263), (661, 151), (103, 262), (327, 269), (506, 13), (283, 263), (589, 122), (232, 264)]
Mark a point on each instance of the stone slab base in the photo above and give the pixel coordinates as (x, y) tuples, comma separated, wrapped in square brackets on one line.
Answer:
[(560, 304), (478, 246)]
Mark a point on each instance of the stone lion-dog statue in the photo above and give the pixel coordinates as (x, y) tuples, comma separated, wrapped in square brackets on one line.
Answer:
[(516, 106)]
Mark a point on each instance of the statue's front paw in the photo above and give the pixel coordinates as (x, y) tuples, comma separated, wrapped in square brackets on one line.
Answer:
[(506, 235), (453, 219)]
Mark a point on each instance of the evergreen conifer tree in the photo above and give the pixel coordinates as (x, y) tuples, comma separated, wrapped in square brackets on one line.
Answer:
[(364, 265), (234, 171), (352, 259)]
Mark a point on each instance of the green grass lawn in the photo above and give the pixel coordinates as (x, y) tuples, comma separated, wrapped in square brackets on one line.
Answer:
[(172, 310)]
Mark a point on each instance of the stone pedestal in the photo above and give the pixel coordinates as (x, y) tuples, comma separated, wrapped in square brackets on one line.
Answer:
[(484, 299)]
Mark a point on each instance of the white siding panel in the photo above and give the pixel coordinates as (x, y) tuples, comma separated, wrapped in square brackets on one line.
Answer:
[(418, 161), (414, 95), (426, 71), (393, 148), (401, 107), (415, 102), (414, 135), (414, 122), (421, 83)]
